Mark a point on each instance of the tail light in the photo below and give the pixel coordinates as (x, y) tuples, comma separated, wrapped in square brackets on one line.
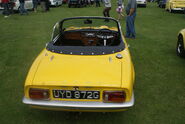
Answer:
[(114, 96), (12, 4), (39, 94)]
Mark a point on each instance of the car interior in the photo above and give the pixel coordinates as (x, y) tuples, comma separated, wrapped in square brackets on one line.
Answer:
[(88, 37)]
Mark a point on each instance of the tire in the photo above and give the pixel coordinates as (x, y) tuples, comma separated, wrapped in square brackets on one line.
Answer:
[(69, 5), (170, 10), (180, 47), (18, 10)]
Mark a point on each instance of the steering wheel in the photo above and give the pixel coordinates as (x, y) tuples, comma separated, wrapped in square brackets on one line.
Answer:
[(105, 35)]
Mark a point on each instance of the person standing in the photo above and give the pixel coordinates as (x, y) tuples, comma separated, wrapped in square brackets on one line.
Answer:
[(35, 3), (6, 11), (130, 19), (92, 2), (47, 5), (43, 5), (107, 8), (22, 9), (97, 3), (11, 6), (120, 9)]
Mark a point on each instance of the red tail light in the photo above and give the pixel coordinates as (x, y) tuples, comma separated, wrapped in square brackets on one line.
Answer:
[(114, 96), (12, 4), (39, 94)]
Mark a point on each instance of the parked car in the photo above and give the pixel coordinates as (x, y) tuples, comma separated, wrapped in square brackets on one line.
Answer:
[(172, 5), (56, 2), (16, 5), (180, 49), (141, 3), (162, 3), (75, 3), (65, 1), (86, 67), (0, 3)]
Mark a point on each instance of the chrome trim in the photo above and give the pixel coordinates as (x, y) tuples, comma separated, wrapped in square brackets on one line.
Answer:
[(119, 56), (52, 35), (177, 9), (79, 105)]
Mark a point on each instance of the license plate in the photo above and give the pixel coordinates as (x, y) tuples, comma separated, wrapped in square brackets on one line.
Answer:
[(76, 94)]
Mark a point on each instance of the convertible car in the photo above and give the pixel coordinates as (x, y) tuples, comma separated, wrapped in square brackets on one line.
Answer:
[(85, 67), (181, 44)]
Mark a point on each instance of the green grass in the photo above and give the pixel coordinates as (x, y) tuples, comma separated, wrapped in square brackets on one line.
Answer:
[(160, 74)]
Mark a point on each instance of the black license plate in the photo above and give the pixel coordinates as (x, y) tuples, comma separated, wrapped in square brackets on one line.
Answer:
[(76, 94)]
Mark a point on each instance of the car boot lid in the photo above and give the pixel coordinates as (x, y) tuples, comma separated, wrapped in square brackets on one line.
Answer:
[(73, 70)]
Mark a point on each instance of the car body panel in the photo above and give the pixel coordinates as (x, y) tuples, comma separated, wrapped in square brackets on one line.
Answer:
[(175, 5), (28, 5), (107, 72), (182, 32), (51, 70), (180, 48), (41, 77), (76, 3), (141, 2), (56, 2)]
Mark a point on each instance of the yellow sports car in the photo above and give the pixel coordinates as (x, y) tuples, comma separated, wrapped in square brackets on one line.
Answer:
[(181, 44), (86, 67), (172, 5)]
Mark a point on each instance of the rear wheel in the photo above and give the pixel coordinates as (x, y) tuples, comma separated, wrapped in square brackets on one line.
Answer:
[(170, 10), (18, 9), (180, 47), (69, 5)]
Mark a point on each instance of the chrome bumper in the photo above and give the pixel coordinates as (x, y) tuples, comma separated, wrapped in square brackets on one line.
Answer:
[(79, 105), (141, 3), (177, 9)]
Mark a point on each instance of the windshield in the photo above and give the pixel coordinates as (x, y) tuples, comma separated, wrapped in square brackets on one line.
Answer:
[(89, 24)]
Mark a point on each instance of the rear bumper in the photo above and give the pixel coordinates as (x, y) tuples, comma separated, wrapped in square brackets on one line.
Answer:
[(177, 8), (141, 3), (79, 106)]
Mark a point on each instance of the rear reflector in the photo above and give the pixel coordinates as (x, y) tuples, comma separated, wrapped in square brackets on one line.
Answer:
[(114, 96), (39, 94)]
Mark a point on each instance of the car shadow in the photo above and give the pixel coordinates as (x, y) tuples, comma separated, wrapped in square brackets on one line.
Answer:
[(48, 116), (178, 12)]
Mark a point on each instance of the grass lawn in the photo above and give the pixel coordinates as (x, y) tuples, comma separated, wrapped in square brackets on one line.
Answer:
[(160, 74)]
